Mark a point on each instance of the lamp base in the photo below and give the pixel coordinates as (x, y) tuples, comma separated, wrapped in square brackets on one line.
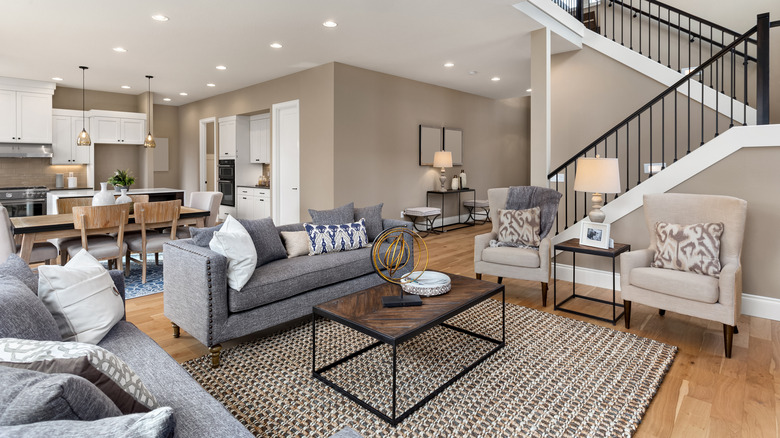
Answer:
[(402, 300), (596, 215), (443, 180)]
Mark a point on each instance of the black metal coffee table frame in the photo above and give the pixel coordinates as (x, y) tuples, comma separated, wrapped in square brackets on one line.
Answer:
[(395, 343)]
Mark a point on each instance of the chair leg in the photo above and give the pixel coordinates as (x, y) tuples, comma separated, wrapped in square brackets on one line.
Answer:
[(500, 279), (736, 330), (728, 336), (118, 262), (215, 355), (627, 314), (157, 259), (479, 276), (661, 312), (127, 263), (544, 294), (143, 271), (176, 331), (63, 257)]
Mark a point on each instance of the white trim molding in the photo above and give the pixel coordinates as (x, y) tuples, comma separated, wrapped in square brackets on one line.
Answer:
[(762, 307)]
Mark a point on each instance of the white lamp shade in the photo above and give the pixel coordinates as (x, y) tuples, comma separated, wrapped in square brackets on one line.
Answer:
[(442, 159), (597, 175)]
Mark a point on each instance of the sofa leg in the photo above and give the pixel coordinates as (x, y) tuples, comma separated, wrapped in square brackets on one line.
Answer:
[(500, 279), (627, 314), (544, 294), (215, 353), (479, 276), (175, 330), (661, 312), (728, 336), (736, 330)]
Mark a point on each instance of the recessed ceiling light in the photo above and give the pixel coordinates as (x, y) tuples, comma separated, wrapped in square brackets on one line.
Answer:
[(330, 23), (528, 90), (495, 79), (125, 87), (449, 64), (159, 17), (182, 94), (120, 49), (167, 99), (276, 45), (221, 67), (211, 85), (473, 72), (56, 78)]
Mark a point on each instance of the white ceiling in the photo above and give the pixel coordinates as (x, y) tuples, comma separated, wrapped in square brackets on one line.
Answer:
[(42, 39)]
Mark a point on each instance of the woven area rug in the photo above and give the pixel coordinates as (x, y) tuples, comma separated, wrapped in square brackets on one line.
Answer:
[(154, 278), (555, 377)]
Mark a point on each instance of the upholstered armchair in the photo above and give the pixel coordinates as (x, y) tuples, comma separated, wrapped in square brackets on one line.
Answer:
[(520, 263), (711, 297)]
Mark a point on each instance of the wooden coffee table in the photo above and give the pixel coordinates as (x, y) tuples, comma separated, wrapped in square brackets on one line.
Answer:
[(363, 311)]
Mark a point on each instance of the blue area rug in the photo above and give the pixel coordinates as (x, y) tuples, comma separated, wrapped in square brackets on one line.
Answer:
[(154, 278)]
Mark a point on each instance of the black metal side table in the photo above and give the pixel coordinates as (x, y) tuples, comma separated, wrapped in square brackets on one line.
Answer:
[(443, 216), (573, 246)]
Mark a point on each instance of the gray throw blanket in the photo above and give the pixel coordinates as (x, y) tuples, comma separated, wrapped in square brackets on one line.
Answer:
[(524, 197)]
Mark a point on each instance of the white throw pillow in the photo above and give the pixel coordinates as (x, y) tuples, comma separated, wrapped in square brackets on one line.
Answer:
[(234, 242), (82, 298)]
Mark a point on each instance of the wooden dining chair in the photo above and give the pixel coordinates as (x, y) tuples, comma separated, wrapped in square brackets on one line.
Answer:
[(42, 252), (151, 215), (95, 222), (65, 205)]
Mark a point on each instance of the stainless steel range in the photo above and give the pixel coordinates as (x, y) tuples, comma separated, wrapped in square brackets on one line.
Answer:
[(24, 201)]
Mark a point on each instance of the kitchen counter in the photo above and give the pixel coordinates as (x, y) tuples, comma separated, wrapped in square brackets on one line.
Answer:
[(59, 189), (255, 186), (155, 194)]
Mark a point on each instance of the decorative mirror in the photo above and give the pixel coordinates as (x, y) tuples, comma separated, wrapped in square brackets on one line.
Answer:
[(453, 142), (430, 143)]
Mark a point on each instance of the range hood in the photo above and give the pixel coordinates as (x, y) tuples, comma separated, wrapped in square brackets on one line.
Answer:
[(17, 150)]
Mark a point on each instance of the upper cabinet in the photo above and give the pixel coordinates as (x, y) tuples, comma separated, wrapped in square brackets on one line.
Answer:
[(233, 136), (25, 111), (260, 139), (66, 126), (114, 127)]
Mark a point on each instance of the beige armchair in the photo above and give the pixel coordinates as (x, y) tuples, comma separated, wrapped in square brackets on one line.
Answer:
[(519, 263), (701, 296)]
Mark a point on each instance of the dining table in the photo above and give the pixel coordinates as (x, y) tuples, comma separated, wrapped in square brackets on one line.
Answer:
[(34, 229)]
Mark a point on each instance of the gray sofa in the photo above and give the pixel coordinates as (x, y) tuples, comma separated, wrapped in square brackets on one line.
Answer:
[(198, 299), (196, 412)]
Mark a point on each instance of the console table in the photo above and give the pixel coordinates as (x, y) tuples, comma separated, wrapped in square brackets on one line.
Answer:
[(444, 195), (573, 246)]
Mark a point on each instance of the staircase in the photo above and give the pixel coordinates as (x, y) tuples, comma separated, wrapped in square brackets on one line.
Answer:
[(724, 72)]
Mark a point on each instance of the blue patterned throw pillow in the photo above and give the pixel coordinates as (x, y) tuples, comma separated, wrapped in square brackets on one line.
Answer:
[(334, 238)]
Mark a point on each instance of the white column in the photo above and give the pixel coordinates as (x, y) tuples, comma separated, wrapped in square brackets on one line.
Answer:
[(540, 106)]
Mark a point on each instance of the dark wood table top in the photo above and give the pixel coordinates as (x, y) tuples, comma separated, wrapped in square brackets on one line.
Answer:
[(363, 311), (573, 245)]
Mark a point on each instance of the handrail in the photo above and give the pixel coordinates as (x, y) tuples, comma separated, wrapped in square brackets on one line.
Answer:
[(655, 100), (688, 15)]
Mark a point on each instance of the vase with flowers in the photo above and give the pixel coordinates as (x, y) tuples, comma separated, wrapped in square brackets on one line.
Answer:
[(122, 179)]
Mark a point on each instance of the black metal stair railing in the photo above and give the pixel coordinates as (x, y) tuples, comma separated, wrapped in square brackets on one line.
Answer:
[(675, 122)]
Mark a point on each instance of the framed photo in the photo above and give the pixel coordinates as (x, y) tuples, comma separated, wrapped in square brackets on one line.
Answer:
[(430, 143), (594, 234)]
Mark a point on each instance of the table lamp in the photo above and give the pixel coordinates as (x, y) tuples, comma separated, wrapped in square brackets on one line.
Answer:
[(597, 175), (442, 159)]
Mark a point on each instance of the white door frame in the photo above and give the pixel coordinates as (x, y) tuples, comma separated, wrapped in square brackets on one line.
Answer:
[(202, 173), (276, 192)]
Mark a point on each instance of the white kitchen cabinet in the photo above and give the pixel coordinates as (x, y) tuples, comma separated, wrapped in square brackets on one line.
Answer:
[(25, 117), (114, 127), (253, 203), (66, 126), (233, 136), (260, 139)]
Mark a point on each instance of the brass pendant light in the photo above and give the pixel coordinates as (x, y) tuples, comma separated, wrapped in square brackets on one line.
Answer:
[(149, 141), (83, 138)]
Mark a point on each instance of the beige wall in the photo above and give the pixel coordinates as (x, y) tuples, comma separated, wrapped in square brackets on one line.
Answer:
[(314, 89), (376, 140), (166, 125), (70, 98)]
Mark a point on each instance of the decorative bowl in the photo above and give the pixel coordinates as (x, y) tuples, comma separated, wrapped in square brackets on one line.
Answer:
[(427, 284)]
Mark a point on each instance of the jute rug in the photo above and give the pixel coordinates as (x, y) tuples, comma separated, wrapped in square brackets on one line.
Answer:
[(555, 377)]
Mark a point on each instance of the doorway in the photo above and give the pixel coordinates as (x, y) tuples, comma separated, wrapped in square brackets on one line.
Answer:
[(208, 164)]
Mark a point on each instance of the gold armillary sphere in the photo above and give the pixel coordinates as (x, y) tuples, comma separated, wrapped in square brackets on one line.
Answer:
[(390, 262)]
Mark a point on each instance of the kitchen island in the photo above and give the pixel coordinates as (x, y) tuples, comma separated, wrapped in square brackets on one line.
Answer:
[(155, 194)]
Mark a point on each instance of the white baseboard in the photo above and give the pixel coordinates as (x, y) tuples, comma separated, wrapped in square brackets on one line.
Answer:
[(752, 305)]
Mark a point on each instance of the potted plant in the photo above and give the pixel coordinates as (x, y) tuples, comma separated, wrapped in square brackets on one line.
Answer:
[(121, 180)]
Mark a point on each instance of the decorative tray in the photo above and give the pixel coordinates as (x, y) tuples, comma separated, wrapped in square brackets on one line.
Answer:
[(429, 284)]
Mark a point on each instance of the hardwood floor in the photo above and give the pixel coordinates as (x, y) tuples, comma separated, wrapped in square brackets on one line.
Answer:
[(704, 394)]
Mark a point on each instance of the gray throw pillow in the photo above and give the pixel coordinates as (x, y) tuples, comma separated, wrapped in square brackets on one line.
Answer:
[(16, 267), (337, 216), (160, 423), (31, 396), (202, 236), (373, 217), (23, 315), (266, 238)]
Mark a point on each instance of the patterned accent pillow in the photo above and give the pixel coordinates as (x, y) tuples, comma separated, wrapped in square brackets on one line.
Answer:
[(99, 366), (519, 227), (692, 248), (335, 238)]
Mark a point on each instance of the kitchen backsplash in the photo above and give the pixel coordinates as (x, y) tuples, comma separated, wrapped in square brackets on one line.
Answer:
[(23, 172)]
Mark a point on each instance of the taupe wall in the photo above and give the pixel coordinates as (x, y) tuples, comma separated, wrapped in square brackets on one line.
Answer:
[(314, 89), (376, 139), (70, 98), (166, 125)]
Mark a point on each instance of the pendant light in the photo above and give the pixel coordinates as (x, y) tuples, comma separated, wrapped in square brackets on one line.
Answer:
[(83, 138), (149, 142)]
